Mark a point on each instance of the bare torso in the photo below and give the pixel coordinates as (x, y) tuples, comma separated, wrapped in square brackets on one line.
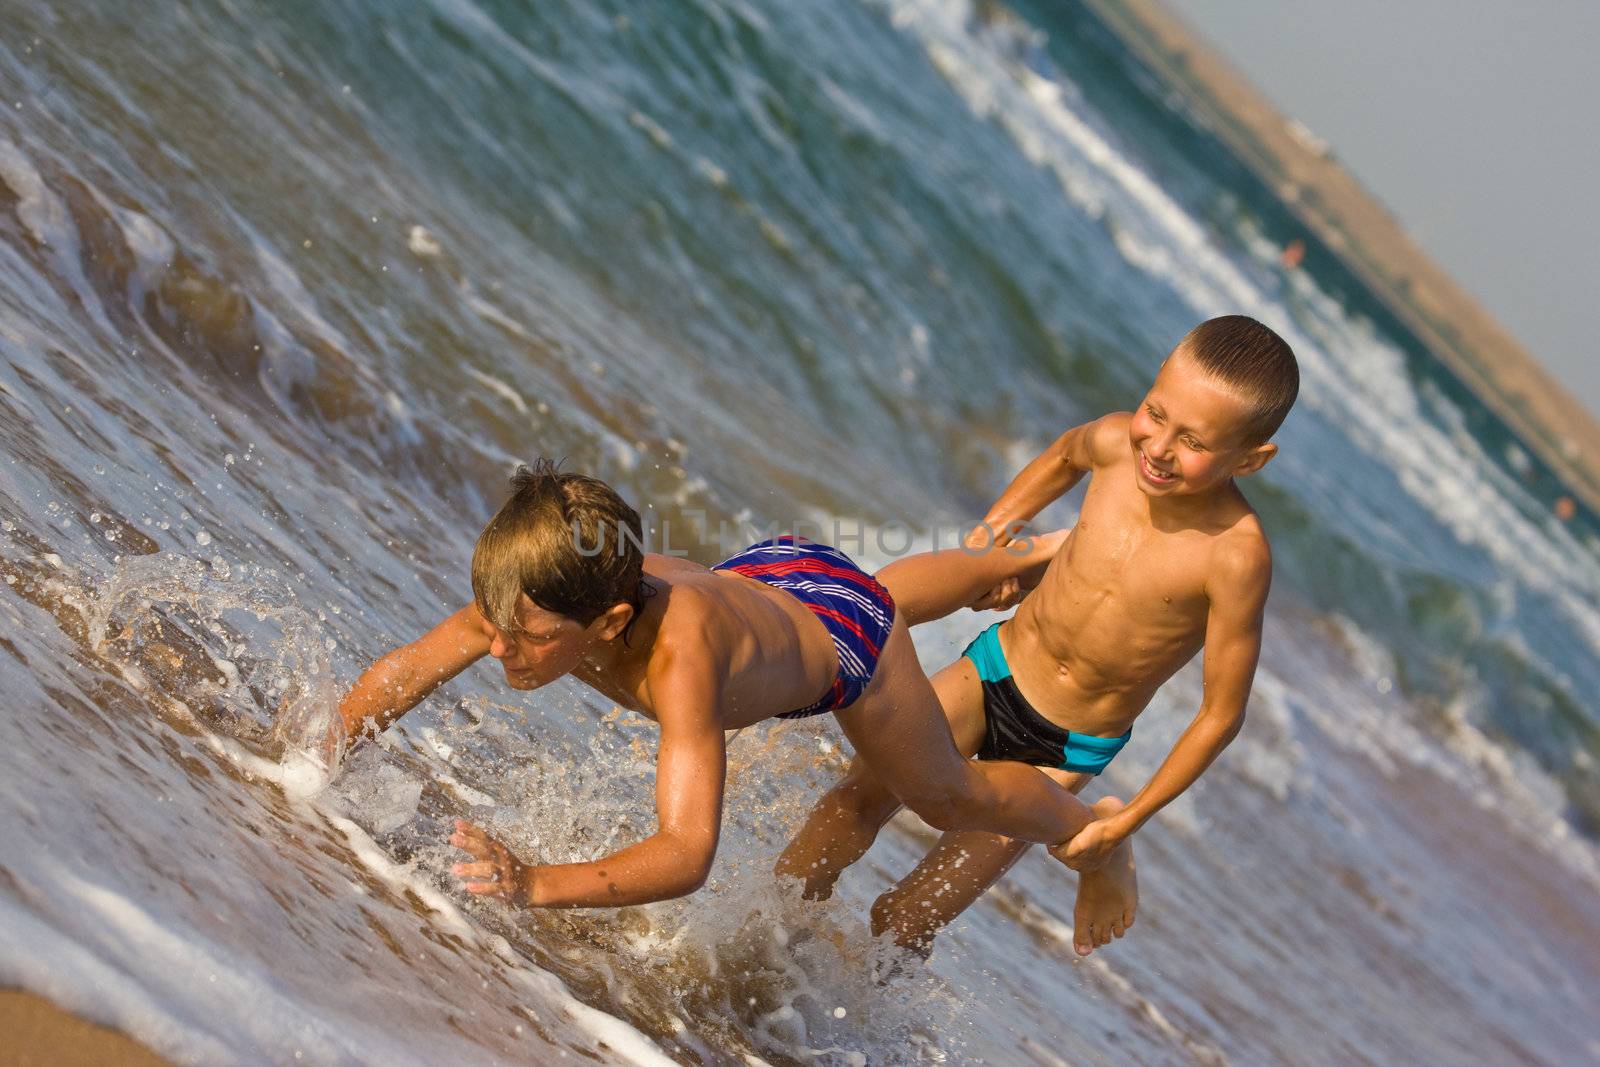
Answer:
[(771, 653), (1120, 609)]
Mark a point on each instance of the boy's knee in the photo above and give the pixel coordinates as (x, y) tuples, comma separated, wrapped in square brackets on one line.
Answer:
[(942, 810), (958, 803), (864, 800)]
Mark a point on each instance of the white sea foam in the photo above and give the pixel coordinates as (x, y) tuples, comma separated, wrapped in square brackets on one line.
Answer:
[(499, 388), (132, 957), (38, 206), (423, 243)]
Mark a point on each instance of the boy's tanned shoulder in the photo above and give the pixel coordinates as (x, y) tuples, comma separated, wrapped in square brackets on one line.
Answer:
[(1107, 439), (688, 617), (1094, 445), (683, 675)]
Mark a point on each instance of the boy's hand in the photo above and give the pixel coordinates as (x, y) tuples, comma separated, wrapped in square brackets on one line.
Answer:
[(1034, 551), (1089, 849), (495, 872), (1007, 594)]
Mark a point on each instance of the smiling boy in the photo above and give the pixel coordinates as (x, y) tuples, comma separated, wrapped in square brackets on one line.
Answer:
[(786, 628), (1167, 557)]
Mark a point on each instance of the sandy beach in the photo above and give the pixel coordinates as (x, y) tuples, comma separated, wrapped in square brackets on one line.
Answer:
[(39, 1034), (1349, 220)]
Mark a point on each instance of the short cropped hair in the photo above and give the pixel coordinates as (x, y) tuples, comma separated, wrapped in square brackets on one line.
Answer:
[(566, 540), (1253, 359)]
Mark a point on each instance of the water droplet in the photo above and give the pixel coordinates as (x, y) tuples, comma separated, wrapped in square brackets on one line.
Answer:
[(839, 1013), (202, 538), (94, 517)]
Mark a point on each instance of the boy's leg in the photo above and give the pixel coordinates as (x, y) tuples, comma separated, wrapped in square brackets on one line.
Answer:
[(931, 585), (847, 818), (838, 831), (962, 867), (949, 880), (899, 730)]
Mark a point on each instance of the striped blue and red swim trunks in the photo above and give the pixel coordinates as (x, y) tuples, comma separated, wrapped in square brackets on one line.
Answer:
[(852, 605)]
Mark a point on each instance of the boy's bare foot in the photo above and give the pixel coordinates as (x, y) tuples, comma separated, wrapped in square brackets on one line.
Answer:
[(1108, 897)]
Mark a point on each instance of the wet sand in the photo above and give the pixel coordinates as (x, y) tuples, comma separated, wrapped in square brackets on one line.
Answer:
[(37, 1034), (1347, 219)]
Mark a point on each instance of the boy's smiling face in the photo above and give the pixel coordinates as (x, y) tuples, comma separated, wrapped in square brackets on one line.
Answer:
[(1188, 432)]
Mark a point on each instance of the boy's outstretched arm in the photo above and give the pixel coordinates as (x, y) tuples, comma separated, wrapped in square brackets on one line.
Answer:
[(1238, 594), (400, 680), (675, 860), (1053, 472)]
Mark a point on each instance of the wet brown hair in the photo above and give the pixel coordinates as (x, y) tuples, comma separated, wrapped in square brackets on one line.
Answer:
[(1253, 359), (566, 540)]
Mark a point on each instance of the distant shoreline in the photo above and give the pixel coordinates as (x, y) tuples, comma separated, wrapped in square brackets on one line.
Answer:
[(1334, 207)]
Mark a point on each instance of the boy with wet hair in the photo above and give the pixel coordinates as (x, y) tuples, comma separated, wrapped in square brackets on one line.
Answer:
[(1167, 557), (787, 628)]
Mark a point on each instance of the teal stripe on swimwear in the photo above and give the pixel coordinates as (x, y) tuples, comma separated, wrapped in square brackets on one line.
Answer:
[(987, 655), (1087, 754), (1083, 753)]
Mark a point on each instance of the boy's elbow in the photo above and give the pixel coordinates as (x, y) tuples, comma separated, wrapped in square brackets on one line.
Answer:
[(694, 862), (687, 882), (1228, 723), (698, 872), (941, 810)]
